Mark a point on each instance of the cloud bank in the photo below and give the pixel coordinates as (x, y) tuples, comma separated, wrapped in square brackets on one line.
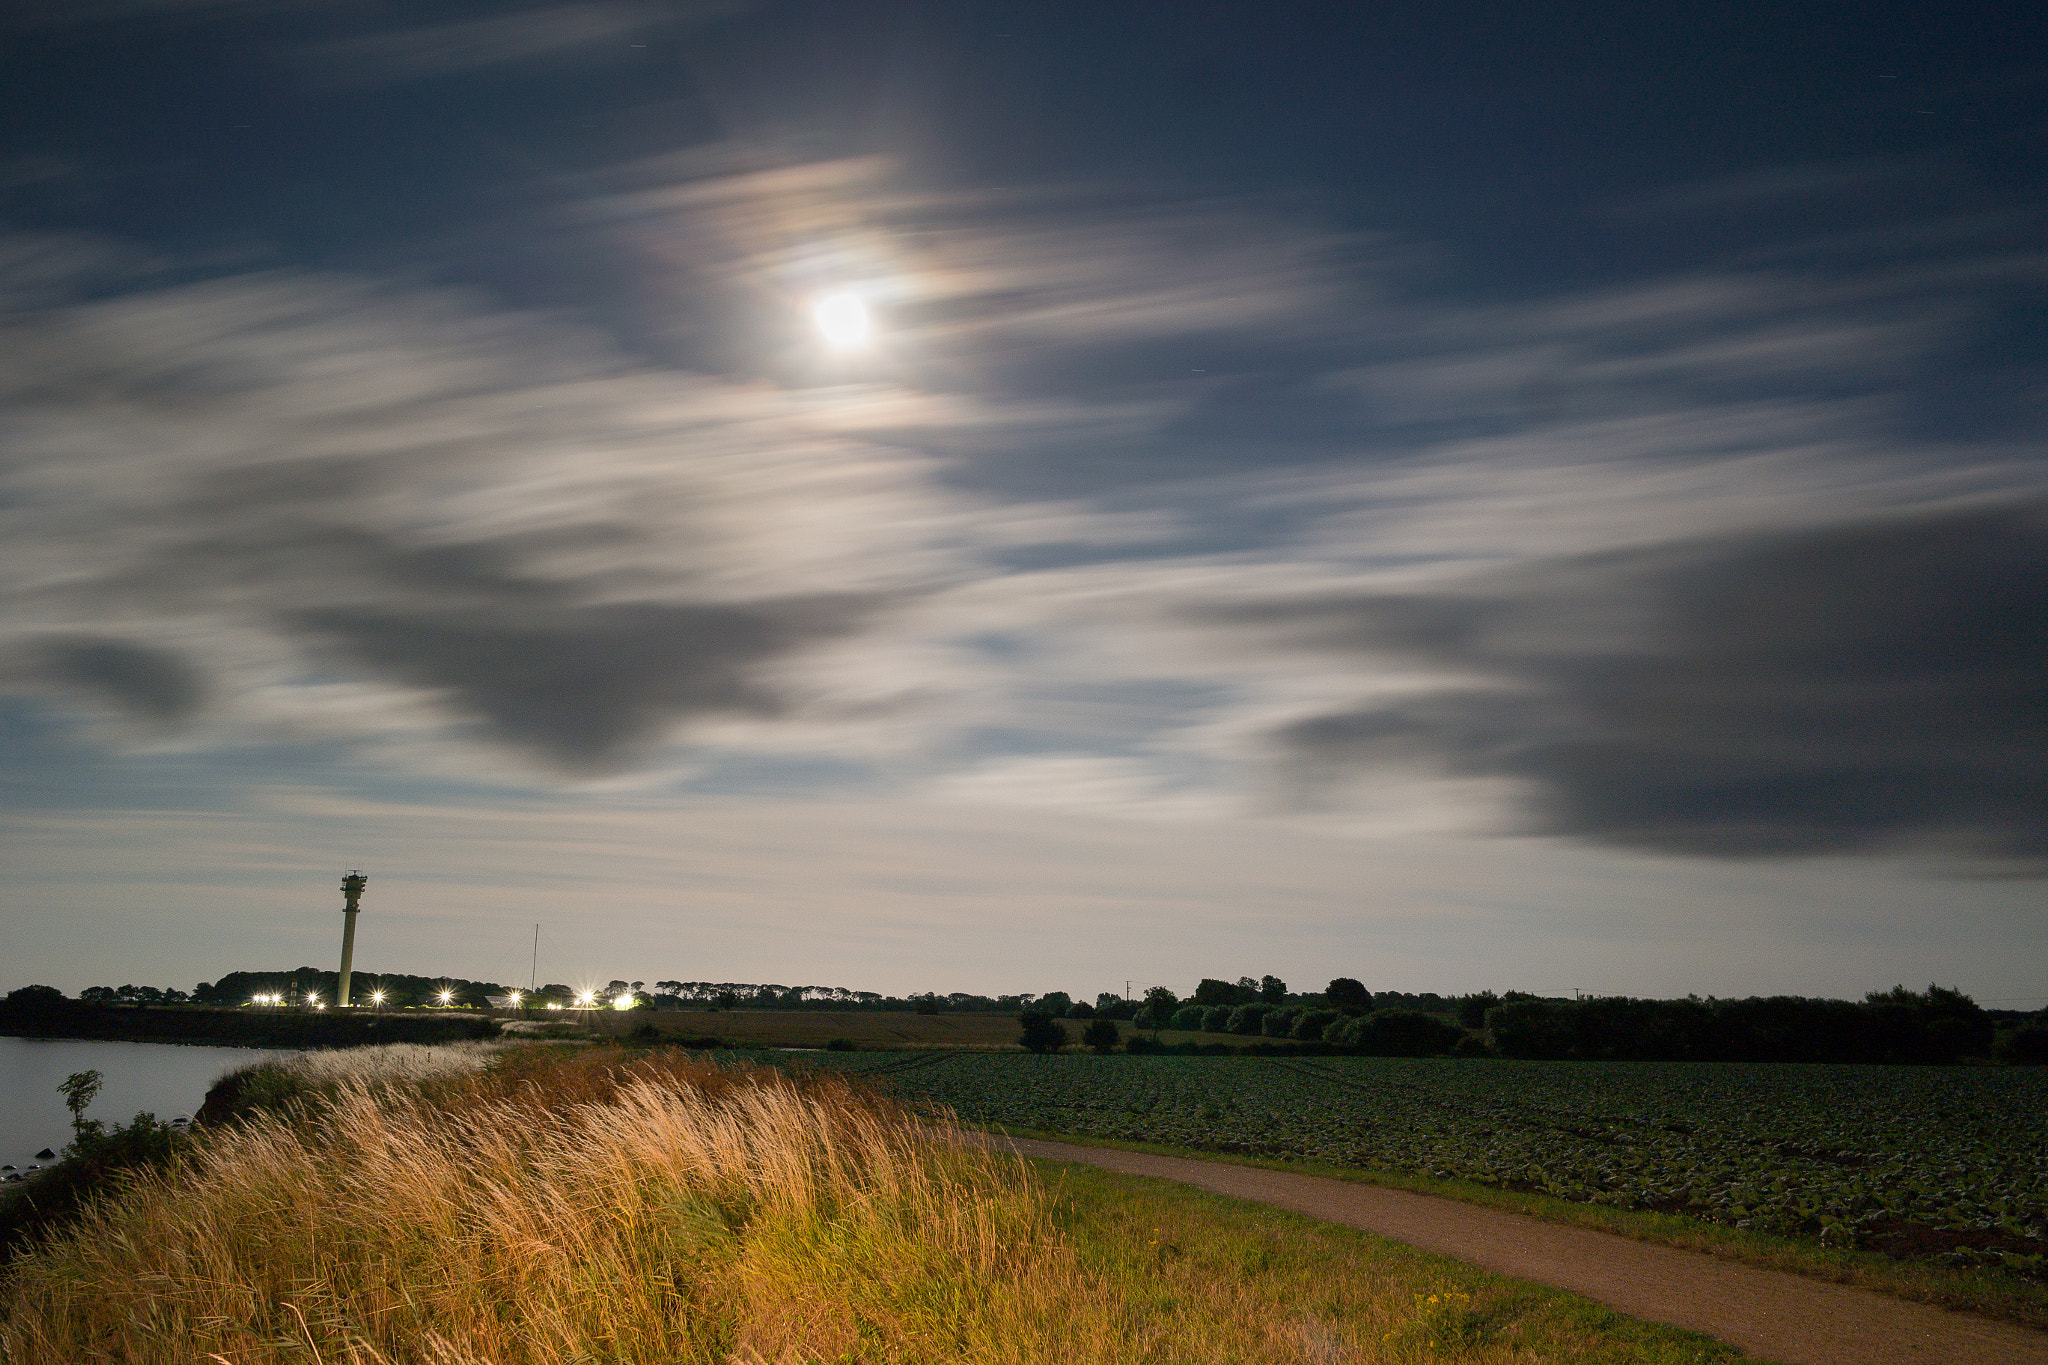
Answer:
[(1831, 690)]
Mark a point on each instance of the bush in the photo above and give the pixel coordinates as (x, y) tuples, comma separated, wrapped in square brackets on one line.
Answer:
[(1310, 1024), (841, 1045), (1472, 1009), (1080, 1009), (88, 1167), (1216, 1018), (1101, 1035), (2029, 1046), (1278, 1023), (1041, 1034), (1472, 1045), (1144, 1045), (1247, 1020), (1406, 1033), (1188, 1018)]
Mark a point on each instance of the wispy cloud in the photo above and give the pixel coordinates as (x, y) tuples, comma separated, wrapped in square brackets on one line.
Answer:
[(519, 35), (280, 478)]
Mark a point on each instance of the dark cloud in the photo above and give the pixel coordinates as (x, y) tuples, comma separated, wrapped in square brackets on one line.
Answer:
[(584, 688), (146, 684), (1823, 691)]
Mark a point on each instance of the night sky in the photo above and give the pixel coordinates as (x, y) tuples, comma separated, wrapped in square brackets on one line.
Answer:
[(1024, 496)]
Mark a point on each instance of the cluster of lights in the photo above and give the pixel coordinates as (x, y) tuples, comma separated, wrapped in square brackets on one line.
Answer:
[(266, 1000)]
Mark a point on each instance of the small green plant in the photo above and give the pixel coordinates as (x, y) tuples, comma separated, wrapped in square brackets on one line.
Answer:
[(1443, 1321)]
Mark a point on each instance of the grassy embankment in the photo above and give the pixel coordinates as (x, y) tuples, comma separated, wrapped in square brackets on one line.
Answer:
[(606, 1206), (1989, 1292)]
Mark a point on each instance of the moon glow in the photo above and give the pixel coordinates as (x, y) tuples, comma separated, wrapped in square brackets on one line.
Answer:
[(843, 320)]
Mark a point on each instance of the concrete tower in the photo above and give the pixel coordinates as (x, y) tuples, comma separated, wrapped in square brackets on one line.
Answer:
[(352, 887)]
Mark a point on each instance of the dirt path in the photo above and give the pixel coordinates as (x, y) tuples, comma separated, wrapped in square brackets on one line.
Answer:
[(1767, 1313)]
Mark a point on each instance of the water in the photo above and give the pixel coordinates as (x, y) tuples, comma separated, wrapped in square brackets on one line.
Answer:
[(166, 1079)]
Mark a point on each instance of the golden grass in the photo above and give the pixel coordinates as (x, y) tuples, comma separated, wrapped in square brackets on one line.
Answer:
[(392, 1063), (594, 1209)]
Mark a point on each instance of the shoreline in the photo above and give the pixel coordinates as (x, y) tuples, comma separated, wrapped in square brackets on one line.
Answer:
[(78, 1021)]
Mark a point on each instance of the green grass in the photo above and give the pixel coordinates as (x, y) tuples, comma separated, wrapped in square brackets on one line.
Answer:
[(1989, 1293), (1228, 1270)]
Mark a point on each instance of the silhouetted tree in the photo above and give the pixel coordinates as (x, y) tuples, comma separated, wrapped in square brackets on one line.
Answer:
[(1347, 995), (1404, 1033), (35, 998), (1041, 1033), (1101, 1035), (1272, 990), (1472, 1009)]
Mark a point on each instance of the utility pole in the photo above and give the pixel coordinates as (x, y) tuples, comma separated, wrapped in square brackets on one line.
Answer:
[(352, 888), (533, 972)]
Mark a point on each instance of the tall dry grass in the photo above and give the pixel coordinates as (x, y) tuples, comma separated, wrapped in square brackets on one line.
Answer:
[(392, 1063), (557, 1211)]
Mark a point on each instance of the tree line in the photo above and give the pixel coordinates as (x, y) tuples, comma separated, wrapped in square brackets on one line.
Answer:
[(1899, 1026), (1937, 1025)]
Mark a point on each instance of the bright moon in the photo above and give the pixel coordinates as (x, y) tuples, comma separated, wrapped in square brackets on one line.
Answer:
[(842, 319)]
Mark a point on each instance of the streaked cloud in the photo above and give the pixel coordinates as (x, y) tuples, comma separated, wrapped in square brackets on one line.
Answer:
[(1835, 689), (513, 35)]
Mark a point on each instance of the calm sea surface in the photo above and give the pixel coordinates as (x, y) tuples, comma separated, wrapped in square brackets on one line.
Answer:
[(166, 1079)]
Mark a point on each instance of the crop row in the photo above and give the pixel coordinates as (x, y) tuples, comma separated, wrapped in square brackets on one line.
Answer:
[(1828, 1150)]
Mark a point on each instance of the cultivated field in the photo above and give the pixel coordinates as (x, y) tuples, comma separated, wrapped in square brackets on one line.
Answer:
[(1916, 1160)]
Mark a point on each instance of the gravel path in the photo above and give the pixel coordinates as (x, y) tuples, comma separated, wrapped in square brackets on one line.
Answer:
[(1767, 1313)]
